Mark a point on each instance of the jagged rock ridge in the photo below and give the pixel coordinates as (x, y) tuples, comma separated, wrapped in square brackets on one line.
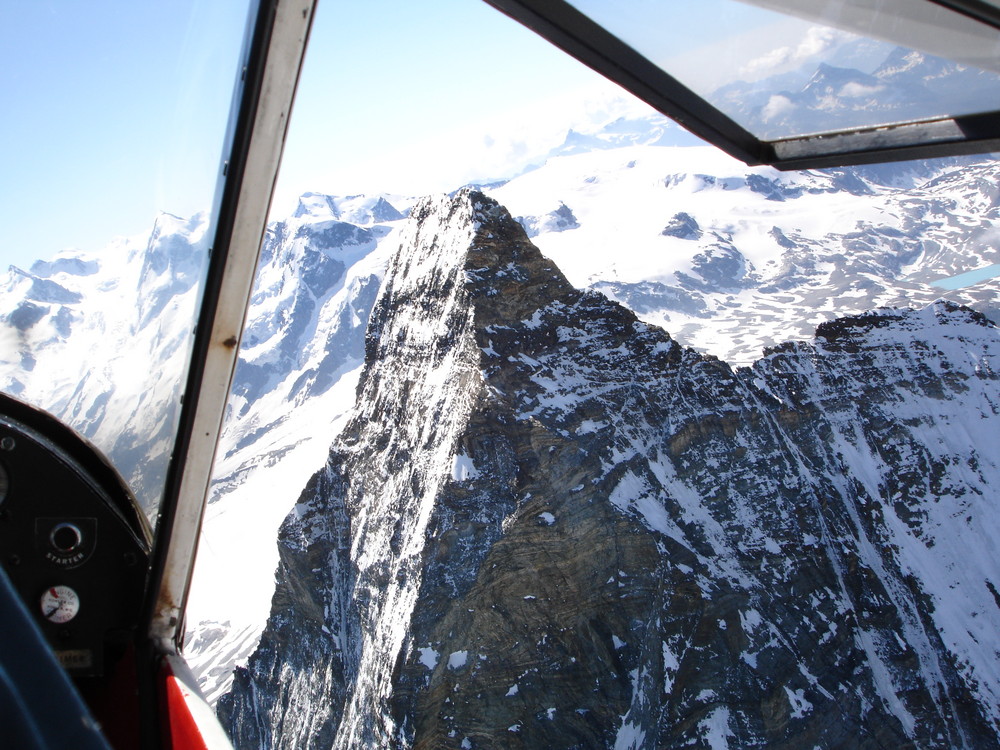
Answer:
[(549, 525)]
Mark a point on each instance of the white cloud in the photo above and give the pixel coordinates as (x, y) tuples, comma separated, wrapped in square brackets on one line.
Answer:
[(500, 146), (777, 106), (816, 41), (856, 90)]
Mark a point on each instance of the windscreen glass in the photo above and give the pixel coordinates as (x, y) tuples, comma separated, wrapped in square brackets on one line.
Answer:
[(409, 364), (112, 145), (790, 69)]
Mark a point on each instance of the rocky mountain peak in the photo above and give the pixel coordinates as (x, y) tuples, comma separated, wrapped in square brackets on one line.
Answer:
[(549, 525), (65, 263), (468, 247), (316, 205)]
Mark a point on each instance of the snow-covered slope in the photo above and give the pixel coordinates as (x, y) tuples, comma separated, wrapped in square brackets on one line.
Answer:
[(731, 259), (547, 524), (102, 341)]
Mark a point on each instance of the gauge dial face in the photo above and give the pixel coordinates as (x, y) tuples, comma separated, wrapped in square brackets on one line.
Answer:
[(60, 604)]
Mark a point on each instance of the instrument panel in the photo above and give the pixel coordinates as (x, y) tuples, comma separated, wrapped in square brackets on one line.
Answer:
[(73, 541)]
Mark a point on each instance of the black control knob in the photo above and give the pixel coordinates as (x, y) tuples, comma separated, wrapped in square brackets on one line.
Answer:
[(66, 537)]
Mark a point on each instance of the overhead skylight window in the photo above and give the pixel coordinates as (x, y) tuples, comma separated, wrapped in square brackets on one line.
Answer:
[(816, 83)]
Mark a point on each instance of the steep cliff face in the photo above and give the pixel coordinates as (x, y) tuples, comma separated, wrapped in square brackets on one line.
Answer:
[(302, 351), (549, 525)]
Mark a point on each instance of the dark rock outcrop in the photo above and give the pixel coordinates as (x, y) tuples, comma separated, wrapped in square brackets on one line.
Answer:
[(560, 219), (683, 226)]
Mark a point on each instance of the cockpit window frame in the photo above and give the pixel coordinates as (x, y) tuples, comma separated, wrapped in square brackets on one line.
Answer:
[(272, 60)]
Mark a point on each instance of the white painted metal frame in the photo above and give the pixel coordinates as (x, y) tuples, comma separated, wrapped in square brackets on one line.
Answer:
[(186, 498)]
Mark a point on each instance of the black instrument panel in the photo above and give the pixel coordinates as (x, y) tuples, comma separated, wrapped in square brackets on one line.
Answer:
[(73, 541)]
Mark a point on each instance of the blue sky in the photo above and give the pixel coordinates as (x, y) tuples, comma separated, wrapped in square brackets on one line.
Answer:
[(112, 112), (420, 97), (115, 110)]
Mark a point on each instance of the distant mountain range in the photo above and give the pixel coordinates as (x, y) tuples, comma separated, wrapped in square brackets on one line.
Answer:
[(906, 85), (732, 259), (102, 340)]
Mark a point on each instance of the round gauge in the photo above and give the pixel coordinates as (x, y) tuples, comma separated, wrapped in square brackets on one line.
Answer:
[(60, 604)]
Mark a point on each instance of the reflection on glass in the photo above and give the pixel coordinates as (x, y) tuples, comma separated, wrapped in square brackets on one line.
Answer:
[(784, 69), (111, 144)]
